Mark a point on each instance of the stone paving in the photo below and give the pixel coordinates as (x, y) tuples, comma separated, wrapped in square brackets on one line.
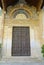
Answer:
[(21, 63), (32, 61)]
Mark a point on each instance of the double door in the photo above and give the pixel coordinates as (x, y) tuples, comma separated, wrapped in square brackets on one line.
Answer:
[(21, 41)]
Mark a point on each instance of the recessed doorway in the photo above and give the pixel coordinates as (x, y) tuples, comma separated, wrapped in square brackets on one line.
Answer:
[(21, 41)]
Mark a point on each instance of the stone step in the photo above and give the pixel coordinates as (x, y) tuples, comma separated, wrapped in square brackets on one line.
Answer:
[(21, 59), (21, 63)]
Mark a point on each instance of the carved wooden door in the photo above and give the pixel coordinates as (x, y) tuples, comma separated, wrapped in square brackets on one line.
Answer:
[(21, 41)]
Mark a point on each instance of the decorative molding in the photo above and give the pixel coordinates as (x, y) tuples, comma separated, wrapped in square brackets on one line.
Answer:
[(3, 4), (32, 12)]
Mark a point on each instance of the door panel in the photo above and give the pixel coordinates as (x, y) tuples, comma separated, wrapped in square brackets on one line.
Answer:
[(21, 41)]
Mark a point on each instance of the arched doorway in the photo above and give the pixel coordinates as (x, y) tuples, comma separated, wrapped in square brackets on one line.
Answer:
[(21, 36)]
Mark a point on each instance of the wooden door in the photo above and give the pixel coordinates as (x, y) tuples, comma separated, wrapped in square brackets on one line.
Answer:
[(21, 41)]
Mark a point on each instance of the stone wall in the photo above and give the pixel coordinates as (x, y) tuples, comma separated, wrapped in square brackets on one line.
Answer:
[(1, 28), (36, 30)]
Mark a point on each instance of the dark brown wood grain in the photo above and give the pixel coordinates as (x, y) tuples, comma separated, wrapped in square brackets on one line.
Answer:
[(35, 3), (21, 41)]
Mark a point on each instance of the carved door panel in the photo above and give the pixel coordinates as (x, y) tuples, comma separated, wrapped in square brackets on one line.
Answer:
[(21, 41)]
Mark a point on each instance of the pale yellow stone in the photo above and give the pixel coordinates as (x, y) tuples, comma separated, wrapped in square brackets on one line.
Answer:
[(36, 24)]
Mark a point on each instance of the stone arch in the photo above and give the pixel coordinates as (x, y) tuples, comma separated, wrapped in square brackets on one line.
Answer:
[(22, 12), (21, 7)]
